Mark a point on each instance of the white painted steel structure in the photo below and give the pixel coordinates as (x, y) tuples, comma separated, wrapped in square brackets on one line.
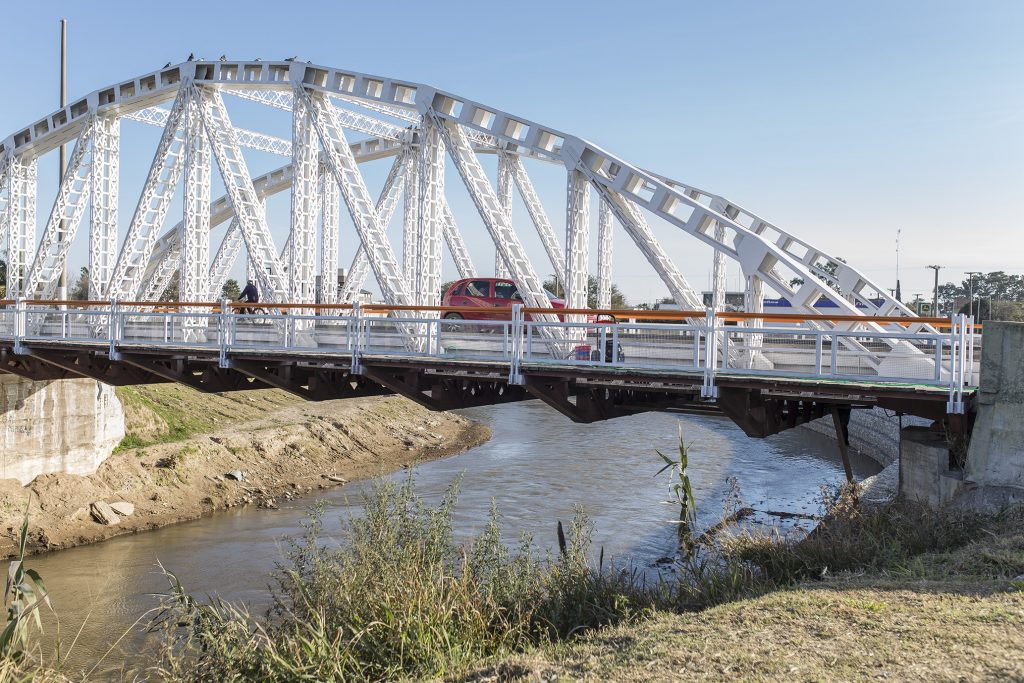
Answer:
[(340, 120)]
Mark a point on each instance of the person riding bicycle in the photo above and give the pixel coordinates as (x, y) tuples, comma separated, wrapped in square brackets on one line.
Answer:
[(249, 295)]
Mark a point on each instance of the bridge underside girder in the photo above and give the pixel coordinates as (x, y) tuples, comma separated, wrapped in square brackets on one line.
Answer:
[(313, 382)]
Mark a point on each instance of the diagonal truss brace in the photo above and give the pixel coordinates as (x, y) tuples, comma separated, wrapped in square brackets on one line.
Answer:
[(151, 210), (242, 194), (225, 257), (536, 210), (62, 224), (342, 164), (491, 211)]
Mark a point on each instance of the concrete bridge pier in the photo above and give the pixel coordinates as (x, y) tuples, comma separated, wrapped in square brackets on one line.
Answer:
[(66, 425), (993, 475)]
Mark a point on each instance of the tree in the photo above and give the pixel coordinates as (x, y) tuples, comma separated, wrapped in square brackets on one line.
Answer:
[(554, 285), (3, 279), (996, 287), (231, 290), (80, 290)]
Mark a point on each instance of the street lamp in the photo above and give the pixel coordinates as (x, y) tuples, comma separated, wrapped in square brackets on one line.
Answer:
[(971, 274)]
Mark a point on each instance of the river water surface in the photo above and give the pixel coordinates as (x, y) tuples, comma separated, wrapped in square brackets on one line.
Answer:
[(536, 468)]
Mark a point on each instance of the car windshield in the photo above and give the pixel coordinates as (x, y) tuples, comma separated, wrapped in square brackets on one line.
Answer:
[(551, 295)]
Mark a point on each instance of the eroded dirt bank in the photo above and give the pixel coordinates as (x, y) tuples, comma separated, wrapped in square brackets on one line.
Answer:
[(181, 444)]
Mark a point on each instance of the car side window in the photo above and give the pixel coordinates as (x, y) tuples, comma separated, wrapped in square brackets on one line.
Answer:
[(457, 290), (505, 290), (478, 288)]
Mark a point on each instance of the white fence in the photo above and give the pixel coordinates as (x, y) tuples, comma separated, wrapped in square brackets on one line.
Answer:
[(709, 348)]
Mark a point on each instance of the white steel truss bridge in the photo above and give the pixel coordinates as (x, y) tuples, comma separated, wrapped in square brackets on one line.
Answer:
[(342, 119)]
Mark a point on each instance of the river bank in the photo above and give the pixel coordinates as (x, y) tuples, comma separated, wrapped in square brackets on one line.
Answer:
[(182, 448)]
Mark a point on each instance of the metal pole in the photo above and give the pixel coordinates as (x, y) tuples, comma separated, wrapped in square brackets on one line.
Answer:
[(971, 274), (935, 296), (62, 282)]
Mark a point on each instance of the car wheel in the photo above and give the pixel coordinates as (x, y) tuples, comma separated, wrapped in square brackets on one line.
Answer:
[(453, 325)]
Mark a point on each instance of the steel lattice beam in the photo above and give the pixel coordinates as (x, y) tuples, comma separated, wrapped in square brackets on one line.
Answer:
[(505, 199), (242, 194), (456, 245), (577, 239), (227, 252), (22, 176), (349, 119), (152, 207), (193, 282), (604, 255), (329, 227), (62, 224), (430, 218), (491, 212), (343, 166), (410, 221), (106, 157), (304, 207), (538, 216)]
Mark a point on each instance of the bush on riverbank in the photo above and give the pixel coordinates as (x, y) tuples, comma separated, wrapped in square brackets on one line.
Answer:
[(399, 598)]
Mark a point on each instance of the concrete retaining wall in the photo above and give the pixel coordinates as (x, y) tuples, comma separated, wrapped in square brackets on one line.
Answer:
[(69, 425), (874, 433)]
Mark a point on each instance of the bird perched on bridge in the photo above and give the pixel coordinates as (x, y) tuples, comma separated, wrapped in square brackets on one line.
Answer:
[(223, 58), (291, 59), (191, 56), (167, 65)]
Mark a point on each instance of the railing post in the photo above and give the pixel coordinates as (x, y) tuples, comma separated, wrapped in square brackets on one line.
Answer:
[(112, 352), (709, 390), (223, 321), (817, 352), (355, 338), (20, 325), (515, 374)]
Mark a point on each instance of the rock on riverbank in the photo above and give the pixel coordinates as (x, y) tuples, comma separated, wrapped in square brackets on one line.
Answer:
[(181, 443)]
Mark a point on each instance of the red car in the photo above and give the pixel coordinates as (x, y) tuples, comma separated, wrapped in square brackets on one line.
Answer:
[(485, 293)]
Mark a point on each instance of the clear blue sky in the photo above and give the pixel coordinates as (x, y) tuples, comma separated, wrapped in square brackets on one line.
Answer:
[(839, 121)]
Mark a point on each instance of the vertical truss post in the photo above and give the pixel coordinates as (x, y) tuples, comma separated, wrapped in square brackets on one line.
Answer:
[(22, 175), (604, 255), (385, 206), (193, 272), (718, 264), (577, 240), (329, 224), (153, 203), (106, 152), (505, 198), (410, 222), (305, 173), (753, 302), (241, 193), (431, 218)]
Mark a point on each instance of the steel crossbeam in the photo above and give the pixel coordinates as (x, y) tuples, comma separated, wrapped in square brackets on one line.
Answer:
[(577, 239), (491, 212), (347, 118), (152, 207), (505, 199), (62, 224), (22, 176), (242, 195), (430, 218), (387, 201), (193, 273), (538, 215), (329, 227), (604, 255), (104, 177), (343, 166), (157, 116), (304, 206)]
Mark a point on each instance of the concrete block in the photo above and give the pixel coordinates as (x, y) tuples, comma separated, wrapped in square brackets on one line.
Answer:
[(924, 468)]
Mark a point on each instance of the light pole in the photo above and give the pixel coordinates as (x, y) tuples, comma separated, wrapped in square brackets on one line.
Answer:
[(935, 295), (971, 274)]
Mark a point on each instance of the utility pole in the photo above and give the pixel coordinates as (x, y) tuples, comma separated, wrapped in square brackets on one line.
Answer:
[(971, 274), (935, 298), (62, 282)]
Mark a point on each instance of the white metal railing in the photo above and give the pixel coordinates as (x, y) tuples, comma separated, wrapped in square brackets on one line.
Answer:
[(710, 348)]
